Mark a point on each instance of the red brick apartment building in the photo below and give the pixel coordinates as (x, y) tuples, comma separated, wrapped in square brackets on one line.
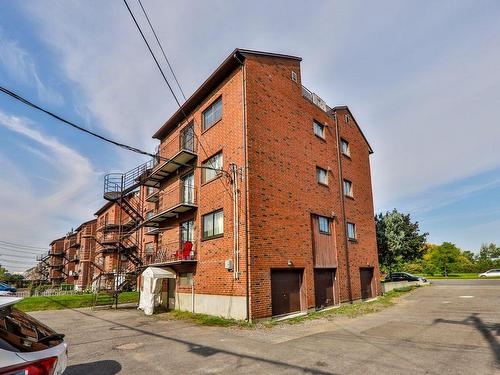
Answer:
[(260, 199)]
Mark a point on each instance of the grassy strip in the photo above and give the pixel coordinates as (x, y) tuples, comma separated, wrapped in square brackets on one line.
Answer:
[(349, 310), (459, 276), (203, 319), (69, 301)]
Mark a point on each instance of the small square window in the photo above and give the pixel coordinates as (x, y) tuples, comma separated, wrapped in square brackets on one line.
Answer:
[(322, 176), (348, 188), (213, 224), (186, 279), (319, 129), (324, 225), (351, 231), (345, 147)]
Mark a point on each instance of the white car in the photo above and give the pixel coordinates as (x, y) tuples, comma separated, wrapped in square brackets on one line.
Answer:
[(490, 273), (28, 346)]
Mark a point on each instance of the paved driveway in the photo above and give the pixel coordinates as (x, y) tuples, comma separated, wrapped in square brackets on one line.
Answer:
[(448, 328)]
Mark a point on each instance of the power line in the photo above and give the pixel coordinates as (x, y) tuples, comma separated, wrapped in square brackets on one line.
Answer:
[(21, 245), (70, 123), (151, 52), (17, 256), (161, 48), (25, 251)]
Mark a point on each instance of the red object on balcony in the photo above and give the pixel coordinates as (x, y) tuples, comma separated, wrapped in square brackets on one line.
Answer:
[(185, 253)]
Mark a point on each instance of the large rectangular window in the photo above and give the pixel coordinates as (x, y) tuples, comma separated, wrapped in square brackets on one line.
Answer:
[(322, 176), (351, 231), (212, 114), (345, 147), (213, 224), (348, 188), (211, 167), (324, 225), (319, 129)]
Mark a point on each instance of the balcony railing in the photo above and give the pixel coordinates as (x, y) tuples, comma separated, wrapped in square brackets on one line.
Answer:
[(175, 252), (172, 155), (152, 194), (178, 199), (315, 99)]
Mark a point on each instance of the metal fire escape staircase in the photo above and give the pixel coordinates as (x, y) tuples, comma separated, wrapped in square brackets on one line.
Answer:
[(119, 188)]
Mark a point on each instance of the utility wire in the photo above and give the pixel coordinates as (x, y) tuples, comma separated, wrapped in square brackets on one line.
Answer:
[(21, 245), (151, 52), (30, 104), (161, 48)]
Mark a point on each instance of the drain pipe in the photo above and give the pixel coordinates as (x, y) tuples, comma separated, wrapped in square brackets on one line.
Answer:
[(245, 176), (342, 203), (236, 228)]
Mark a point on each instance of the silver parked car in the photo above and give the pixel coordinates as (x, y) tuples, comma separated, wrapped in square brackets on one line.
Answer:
[(27, 346), (490, 273)]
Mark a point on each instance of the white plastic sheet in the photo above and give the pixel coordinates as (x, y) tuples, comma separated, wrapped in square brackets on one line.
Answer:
[(151, 287)]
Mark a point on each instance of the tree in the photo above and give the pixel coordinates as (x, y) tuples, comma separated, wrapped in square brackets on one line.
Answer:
[(445, 257), (398, 239), (489, 257)]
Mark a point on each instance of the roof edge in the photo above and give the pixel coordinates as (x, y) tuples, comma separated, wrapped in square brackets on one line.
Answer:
[(344, 107)]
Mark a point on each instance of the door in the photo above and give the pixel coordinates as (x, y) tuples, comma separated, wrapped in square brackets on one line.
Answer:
[(187, 138), (323, 287), (285, 291), (187, 235), (188, 189), (366, 275)]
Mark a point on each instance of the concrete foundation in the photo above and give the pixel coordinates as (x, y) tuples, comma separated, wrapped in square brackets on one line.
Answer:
[(225, 306)]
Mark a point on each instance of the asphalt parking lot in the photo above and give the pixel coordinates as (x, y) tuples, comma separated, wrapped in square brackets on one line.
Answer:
[(451, 327)]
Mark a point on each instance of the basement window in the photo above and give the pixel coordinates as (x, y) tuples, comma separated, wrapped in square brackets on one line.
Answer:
[(186, 279)]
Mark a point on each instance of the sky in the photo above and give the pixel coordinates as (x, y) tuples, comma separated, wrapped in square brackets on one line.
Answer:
[(421, 78)]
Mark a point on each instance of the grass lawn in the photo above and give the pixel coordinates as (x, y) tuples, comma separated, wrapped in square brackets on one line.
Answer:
[(348, 310), (69, 301), (458, 276)]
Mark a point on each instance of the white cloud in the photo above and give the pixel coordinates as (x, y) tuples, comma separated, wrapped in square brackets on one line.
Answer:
[(35, 214), (17, 63)]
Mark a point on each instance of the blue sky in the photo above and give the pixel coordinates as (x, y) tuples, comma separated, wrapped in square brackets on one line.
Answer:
[(421, 77)]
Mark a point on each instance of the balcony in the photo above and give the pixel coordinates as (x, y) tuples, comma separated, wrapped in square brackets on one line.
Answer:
[(56, 253), (73, 242), (177, 200), (173, 155), (178, 252), (152, 194)]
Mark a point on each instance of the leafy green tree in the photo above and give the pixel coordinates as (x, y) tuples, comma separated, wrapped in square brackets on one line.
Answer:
[(445, 257), (489, 257), (399, 240)]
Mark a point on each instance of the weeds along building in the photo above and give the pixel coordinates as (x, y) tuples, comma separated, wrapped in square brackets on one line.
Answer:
[(260, 198)]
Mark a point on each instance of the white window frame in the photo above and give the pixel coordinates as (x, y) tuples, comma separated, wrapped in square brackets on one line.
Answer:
[(354, 235), (217, 162), (347, 151), (317, 124), (348, 191), (319, 173), (328, 224)]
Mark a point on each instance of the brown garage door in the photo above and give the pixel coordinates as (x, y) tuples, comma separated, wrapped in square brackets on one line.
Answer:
[(366, 275), (323, 287), (285, 291)]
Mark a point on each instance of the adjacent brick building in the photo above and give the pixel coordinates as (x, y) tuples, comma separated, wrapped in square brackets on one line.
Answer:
[(259, 200)]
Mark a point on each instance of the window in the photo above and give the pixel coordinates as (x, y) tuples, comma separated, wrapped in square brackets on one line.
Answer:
[(324, 225), (345, 147), (149, 248), (214, 162), (212, 114), (351, 231), (322, 175), (348, 188), (319, 129), (213, 224), (186, 279), (150, 190), (346, 118), (294, 76)]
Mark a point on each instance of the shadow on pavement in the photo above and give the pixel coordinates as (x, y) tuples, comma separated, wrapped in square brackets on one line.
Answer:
[(107, 367), (193, 347), (485, 329)]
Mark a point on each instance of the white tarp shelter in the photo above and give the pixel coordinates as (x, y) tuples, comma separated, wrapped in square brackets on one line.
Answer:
[(151, 287)]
